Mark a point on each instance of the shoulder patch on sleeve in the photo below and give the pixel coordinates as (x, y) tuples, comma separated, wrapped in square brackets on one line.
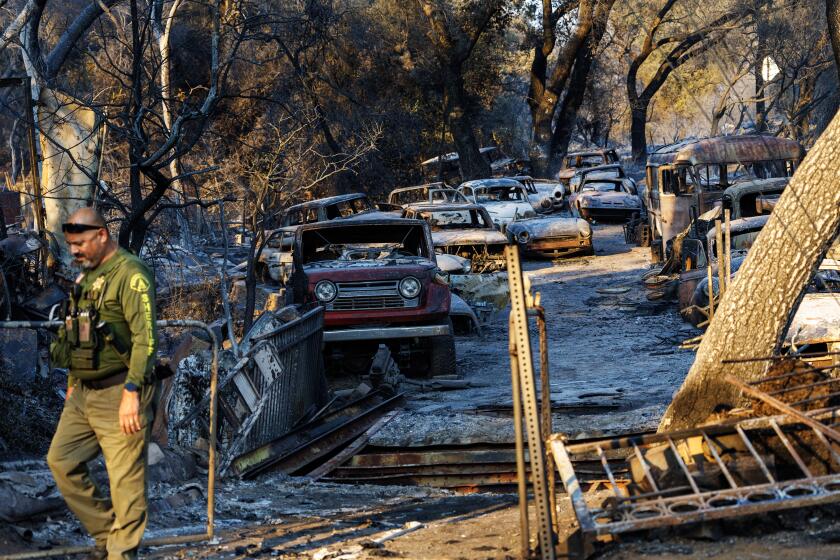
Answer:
[(138, 283)]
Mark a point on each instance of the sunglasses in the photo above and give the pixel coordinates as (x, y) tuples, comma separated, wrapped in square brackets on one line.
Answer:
[(77, 228)]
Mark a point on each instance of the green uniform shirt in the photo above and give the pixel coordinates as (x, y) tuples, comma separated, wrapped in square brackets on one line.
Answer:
[(122, 289)]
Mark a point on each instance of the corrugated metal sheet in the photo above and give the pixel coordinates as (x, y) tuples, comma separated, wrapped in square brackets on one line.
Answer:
[(282, 385)]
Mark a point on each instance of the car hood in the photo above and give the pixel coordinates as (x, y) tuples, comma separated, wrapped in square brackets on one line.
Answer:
[(453, 264), (505, 211), (816, 320), (472, 236), (549, 227)]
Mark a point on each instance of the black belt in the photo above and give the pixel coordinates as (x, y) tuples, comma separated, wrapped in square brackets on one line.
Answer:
[(106, 382)]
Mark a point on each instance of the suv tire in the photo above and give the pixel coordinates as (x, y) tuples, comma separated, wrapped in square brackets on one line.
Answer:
[(442, 354)]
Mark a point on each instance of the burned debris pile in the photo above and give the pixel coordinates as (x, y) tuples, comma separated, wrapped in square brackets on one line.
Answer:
[(778, 453)]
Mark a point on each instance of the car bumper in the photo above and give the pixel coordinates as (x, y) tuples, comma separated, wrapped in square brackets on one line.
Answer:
[(608, 213), (557, 247), (386, 333)]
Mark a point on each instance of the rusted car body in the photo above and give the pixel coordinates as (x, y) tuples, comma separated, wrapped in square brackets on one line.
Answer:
[(552, 237), (609, 198), (378, 282), (687, 179), (697, 256), (273, 262), (575, 161), (464, 230)]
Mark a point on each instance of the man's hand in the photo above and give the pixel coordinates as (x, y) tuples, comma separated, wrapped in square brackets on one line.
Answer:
[(130, 412)]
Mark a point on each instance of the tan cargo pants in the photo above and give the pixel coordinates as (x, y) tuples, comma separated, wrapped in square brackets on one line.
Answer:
[(90, 423)]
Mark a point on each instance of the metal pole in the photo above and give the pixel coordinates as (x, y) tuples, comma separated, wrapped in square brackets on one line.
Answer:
[(536, 449), (727, 247), (211, 458), (546, 428), (521, 474), (720, 259)]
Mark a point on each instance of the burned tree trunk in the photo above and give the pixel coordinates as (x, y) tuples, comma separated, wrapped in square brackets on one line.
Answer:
[(454, 43), (638, 127), (832, 13), (757, 308), (70, 160)]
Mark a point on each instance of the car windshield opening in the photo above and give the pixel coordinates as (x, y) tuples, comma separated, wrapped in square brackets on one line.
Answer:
[(375, 242)]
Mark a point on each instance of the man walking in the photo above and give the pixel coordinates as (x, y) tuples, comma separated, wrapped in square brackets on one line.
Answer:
[(108, 343)]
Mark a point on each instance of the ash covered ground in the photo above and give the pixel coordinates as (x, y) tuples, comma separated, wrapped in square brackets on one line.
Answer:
[(615, 364)]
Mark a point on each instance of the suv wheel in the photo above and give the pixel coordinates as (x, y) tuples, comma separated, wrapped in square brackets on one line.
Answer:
[(442, 354)]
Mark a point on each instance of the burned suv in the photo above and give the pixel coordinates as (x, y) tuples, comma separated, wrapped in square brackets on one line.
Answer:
[(379, 282)]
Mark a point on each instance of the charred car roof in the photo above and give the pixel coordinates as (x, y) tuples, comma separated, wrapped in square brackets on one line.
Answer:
[(321, 202), (425, 207), (728, 149), (488, 183)]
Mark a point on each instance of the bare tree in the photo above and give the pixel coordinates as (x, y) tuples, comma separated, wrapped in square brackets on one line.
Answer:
[(290, 169), (556, 95), (670, 40)]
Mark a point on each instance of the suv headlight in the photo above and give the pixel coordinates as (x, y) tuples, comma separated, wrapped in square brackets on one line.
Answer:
[(325, 291), (523, 236), (410, 287)]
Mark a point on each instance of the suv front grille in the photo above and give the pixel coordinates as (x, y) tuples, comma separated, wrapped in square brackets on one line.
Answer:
[(354, 296)]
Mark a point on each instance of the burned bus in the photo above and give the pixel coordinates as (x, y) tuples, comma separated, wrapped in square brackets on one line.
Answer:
[(687, 179)]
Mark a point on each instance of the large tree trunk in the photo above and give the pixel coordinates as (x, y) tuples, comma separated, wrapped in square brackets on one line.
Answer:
[(638, 129), (540, 152), (70, 160), (832, 13), (473, 164), (755, 311)]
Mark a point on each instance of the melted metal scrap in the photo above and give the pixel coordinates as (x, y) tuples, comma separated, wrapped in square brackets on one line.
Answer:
[(482, 291)]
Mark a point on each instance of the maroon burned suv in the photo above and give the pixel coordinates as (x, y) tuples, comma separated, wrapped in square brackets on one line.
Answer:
[(379, 282)]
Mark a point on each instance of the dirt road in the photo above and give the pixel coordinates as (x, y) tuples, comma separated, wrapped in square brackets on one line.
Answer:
[(613, 356)]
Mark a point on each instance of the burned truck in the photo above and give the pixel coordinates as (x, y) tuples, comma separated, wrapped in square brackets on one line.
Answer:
[(464, 230), (688, 179), (379, 283), (274, 262), (575, 161)]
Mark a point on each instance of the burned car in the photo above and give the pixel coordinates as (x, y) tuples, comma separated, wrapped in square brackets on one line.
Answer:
[(463, 230), (432, 193), (552, 237), (690, 178), (274, 260), (815, 323), (506, 200), (575, 161), (613, 170), (609, 198), (546, 196), (378, 282)]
